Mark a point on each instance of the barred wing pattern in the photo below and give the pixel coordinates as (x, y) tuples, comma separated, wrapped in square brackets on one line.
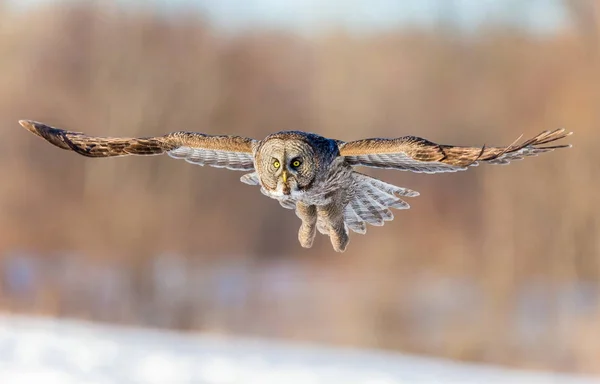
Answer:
[(231, 152), (416, 154), (370, 205), (372, 202)]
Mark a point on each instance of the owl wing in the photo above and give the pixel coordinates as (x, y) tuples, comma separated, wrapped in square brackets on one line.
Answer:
[(416, 154), (231, 152)]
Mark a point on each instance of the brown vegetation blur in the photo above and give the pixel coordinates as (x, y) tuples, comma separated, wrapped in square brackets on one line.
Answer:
[(497, 264)]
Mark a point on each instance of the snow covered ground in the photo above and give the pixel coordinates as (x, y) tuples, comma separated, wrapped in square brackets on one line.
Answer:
[(39, 350)]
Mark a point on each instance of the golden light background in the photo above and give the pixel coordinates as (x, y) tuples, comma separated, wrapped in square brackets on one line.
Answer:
[(499, 264)]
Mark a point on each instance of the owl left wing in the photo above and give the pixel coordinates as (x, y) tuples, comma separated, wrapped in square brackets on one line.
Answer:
[(416, 154), (231, 152)]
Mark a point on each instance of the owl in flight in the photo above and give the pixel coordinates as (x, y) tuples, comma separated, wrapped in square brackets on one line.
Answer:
[(311, 174)]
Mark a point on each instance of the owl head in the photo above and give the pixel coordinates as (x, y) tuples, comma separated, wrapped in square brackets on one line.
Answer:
[(288, 163)]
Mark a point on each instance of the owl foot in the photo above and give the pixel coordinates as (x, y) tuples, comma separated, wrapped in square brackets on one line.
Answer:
[(306, 234), (308, 230), (339, 240)]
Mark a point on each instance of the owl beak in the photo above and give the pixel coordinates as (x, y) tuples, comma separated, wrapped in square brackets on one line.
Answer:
[(286, 187)]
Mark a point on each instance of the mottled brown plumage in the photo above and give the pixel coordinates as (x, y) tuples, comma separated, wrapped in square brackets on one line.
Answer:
[(212, 150), (309, 173), (421, 150)]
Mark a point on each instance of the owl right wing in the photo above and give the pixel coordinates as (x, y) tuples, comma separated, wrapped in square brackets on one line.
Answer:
[(416, 154), (231, 152)]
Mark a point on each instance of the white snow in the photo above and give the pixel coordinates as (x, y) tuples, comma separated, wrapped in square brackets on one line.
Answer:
[(50, 351)]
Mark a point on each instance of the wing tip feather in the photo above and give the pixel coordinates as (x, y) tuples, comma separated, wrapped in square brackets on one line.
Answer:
[(52, 135), (35, 127)]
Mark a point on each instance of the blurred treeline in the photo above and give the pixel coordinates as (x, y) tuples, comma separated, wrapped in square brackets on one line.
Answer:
[(498, 264)]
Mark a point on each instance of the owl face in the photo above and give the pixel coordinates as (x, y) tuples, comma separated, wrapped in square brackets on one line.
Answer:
[(286, 167)]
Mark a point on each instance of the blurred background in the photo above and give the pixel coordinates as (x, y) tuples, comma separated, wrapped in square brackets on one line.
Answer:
[(496, 265)]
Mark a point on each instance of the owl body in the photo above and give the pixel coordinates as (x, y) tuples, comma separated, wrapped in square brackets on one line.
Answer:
[(311, 174), (304, 172)]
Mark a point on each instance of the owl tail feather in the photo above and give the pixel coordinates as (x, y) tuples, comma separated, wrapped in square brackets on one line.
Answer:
[(372, 201), (370, 205)]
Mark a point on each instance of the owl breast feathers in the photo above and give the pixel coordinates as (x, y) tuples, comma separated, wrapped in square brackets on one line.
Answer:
[(311, 174)]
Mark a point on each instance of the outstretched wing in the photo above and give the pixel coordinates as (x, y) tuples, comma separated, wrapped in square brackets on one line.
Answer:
[(415, 154), (231, 152)]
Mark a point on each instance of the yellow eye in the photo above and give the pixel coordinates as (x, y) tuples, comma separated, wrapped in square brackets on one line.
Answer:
[(276, 164), (296, 163)]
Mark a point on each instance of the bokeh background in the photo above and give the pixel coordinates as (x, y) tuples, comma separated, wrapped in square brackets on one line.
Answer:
[(498, 264)]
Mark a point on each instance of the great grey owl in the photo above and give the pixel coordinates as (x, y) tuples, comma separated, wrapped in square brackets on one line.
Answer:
[(309, 173)]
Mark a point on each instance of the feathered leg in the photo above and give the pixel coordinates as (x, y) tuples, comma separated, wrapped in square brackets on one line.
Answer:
[(333, 217), (308, 229)]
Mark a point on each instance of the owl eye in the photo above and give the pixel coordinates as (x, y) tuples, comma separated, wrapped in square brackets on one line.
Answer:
[(276, 164), (296, 163)]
